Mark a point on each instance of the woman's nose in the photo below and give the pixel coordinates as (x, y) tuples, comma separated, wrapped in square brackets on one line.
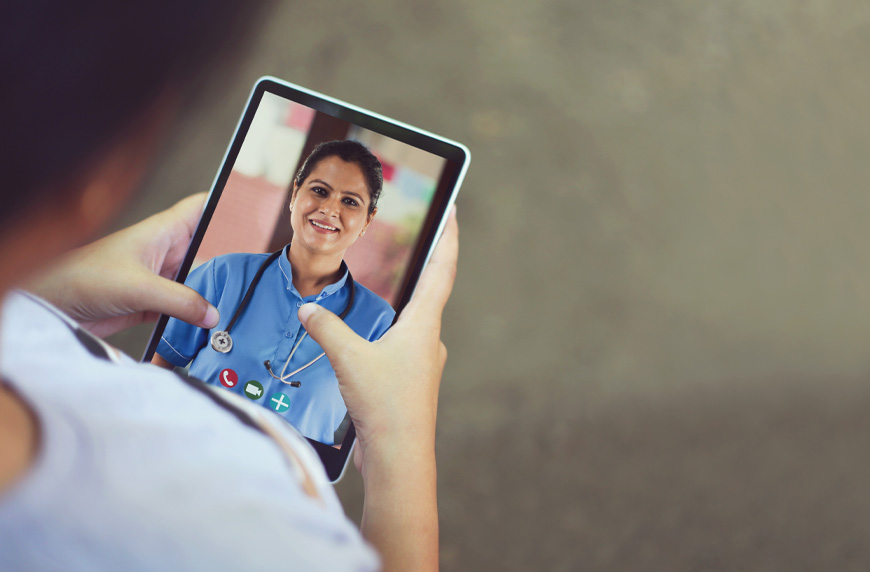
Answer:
[(330, 206)]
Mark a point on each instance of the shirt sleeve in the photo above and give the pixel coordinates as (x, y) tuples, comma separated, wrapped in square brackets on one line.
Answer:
[(180, 341)]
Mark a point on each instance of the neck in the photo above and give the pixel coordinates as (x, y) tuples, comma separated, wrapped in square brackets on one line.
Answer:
[(313, 272)]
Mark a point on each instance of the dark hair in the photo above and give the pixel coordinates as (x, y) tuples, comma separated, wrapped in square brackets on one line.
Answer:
[(349, 152), (76, 74)]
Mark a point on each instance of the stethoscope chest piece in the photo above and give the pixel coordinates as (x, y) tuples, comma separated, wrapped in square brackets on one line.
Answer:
[(221, 342)]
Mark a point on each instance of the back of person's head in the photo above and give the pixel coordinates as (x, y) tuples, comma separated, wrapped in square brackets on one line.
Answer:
[(348, 151), (76, 74)]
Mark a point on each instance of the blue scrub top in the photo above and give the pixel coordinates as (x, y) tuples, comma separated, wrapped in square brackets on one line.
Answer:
[(268, 329)]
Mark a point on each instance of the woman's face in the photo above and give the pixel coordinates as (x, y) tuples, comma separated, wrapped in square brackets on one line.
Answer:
[(329, 211)]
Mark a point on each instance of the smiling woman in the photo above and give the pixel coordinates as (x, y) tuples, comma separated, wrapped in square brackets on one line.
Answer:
[(333, 200), (332, 205)]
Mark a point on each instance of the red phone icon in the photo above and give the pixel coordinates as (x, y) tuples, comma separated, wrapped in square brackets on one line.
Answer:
[(229, 378)]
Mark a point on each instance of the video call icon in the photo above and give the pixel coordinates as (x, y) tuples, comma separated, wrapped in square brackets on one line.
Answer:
[(254, 390)]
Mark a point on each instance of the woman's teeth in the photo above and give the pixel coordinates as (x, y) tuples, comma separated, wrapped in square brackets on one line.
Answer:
[(323, 226)]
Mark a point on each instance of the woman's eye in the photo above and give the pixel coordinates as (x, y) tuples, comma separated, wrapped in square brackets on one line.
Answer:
[(319, 191), (351, 202)]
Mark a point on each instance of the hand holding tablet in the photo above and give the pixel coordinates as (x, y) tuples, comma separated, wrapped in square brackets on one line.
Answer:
[(317, 202), (125, 278), (391, 390), (391, 385)]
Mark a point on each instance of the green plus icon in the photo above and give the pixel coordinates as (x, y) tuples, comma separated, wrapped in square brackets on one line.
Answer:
[(254, 389), (279, 402)]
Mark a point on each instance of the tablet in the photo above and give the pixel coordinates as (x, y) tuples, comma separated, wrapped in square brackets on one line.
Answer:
[(316, 200)]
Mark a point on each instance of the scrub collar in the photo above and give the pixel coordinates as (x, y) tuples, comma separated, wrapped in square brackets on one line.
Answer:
[(286, 269)]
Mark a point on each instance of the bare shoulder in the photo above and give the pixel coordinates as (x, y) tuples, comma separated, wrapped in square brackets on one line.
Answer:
[(19, 437)]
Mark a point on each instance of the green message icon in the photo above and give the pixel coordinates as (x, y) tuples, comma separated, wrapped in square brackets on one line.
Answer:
[(254, 389)]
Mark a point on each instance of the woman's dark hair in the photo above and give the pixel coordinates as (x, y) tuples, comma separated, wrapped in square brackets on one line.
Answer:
[(349, 152), (77, 73)]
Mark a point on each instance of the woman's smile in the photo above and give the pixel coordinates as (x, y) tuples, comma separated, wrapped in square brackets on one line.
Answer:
[(321, 226)]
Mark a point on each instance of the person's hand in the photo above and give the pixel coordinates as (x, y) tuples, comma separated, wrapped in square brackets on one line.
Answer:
[(390, 388), (127, 277)]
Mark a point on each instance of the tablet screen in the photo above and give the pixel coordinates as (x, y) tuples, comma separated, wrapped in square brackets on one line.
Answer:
[(317, 201)]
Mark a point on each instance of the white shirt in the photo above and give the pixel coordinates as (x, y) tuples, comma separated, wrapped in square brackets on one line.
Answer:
[(136, 470)]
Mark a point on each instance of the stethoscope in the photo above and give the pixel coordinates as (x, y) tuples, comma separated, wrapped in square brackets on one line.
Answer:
[(222, 342)]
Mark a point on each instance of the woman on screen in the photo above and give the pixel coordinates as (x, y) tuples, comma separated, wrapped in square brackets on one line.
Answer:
[(259, 349)]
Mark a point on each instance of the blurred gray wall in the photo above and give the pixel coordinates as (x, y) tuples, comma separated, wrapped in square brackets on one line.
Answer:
[(658, 334)]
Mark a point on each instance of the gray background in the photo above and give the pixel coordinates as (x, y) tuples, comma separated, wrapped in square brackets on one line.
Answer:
[(657, 337)]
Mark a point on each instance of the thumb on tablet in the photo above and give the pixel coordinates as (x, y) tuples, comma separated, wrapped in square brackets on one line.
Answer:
[(163, 296), (330, 332)]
